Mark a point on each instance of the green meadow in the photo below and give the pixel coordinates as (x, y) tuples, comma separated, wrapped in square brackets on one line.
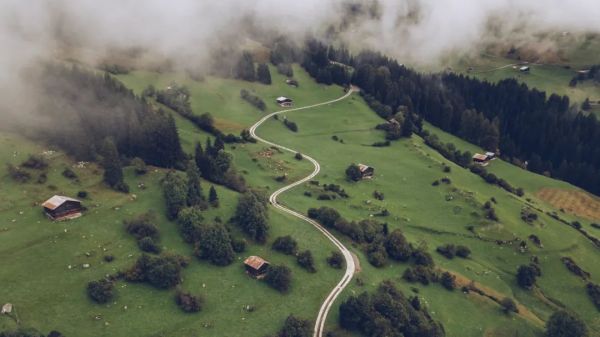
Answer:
[(47, 294)]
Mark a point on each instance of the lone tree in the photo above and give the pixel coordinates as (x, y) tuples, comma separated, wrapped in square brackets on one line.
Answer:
[(353, 173), (175, 192), (263, 74), (213, 198), (526, 276), (285, 244), (245, 68), (305, 260), (113, 172), (564, 324), (509, 305), (188, 302), (336, 260), (251, 215), (215, 245)]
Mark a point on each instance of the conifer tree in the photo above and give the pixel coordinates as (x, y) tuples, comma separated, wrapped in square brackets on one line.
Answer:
[(213, 198), (113, 172), (263, 74), (194, 192), (244, 69)]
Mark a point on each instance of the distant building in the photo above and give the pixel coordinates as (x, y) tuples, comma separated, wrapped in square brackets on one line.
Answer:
[(61, 208), (480, 159), (393, 121), (490, 155), (291, 82), (366, 171), (524, 69), (7, 308), (284, 101), (256, 266)]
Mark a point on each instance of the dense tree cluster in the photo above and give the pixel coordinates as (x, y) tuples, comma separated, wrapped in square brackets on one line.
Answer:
[(111, 162), (88, 108), (216, 165), (388, 312), (317, 63), (295, 327), (145, 231), (565, 324), (214, 244), (162, 271), (244, 69), (252, 216), (593, 74), (285, 244), (524, 124), (450, 250), (263, 75), (253, 99)]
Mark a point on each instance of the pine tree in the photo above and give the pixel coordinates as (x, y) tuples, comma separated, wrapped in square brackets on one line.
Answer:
[(113, 172), (194, 192), (213, 198), (263, 74), (245, 68), (407, 126)]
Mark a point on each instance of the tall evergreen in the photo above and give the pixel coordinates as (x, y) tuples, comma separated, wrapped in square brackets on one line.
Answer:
[(175, 192), (194, 192), (244, 69), (263, 74), (113, 172), (251, 215), (213, 198)]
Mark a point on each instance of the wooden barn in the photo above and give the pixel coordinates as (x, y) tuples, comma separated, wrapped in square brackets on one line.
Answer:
[(256, 266), (284, 101), (480, 159), (61, 208), (366, 171)]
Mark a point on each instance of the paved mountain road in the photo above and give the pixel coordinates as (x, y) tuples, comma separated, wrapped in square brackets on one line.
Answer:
[(350, 265)]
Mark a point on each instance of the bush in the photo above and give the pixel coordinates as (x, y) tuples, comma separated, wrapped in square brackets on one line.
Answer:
[(353, 173), (279, 278), (285, 244), (593, 291), (100, 291), (296, 327), (188, 302), (306, 261), (69, 174), (448, 251), (377, 255), (336, 260), (463, 251), (421, 274), (214, 244), (18, 174), (298, 156), (109, 258), (448, 280), (238, 245), (378, 195), (397, 246), (82, 194), (35, 162), (162, 271), (509, 305), (422, 258), (290, 125), (148, 245), (253, 99), (565, 324), (142, 226), (139, 166)]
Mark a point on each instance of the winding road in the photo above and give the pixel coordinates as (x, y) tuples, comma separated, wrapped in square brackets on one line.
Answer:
[(350, 266)]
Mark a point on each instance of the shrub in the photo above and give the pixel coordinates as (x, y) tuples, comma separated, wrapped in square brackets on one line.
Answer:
[(593, 291), (463, 251), (448, 280), (214, 244), (422, 258), (565, 324), (238, 245), (509, 305), (139, 166), (378, 195), (336, 260), (100, 291), (285, 244), (188, 302), (296, 327), (69, 174), (353, 173), (447, 169), (35, 162), (18, 174), (279, 278), (142, 226), (109, 258), (397, 246), (421, 274), (298, 156), (162, 271), (290, 125), (448, 251), (253, 99), (377, 255), (148, 245), (306, 261), (82, 194)]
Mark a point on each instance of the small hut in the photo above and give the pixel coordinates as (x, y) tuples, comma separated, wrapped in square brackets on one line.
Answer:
[(256, 266), (284, 101), (524, 69), (480, 159), (366, 171), (7, 308), (61, 208)]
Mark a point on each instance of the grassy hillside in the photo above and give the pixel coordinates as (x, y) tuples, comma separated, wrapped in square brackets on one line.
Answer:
[(49, 295)]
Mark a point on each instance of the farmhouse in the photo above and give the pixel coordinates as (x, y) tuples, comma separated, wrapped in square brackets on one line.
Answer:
[(61, 208), (366, 171), (524, 69), (291, 82), (481, 159), (256, 266), (284, 101)]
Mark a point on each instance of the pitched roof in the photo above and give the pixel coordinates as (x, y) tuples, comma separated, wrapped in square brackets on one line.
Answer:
[(363, 167), (479, 156), (255, 262), (56, 201), (283, 99)]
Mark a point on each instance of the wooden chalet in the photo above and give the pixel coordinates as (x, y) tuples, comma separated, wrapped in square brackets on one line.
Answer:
[(480, 159), (61, 208), (284, 101), (256, 266), (366, 171)]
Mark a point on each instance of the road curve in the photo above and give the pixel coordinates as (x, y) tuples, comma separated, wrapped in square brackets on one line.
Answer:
[(350, 267)]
